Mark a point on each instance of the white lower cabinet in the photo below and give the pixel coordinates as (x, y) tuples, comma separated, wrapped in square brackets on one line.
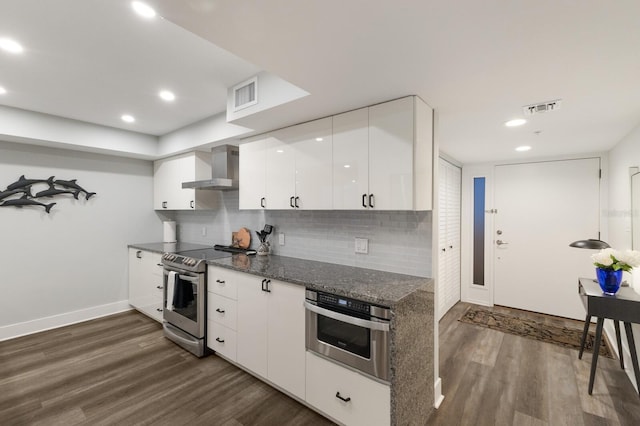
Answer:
[(146, 282), (271, 332), (345, 395), (222, 340), (222, 307)]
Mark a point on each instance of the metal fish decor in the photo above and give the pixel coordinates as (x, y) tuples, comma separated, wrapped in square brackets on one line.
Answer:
[(19, 193)]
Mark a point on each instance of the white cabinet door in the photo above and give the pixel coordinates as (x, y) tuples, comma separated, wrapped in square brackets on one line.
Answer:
[(351, 160), (448, 236), (253, 173), (170, 173), (252, 326), (364, 402), (286, 337), (145, 283), (280, 180), (313, 164), (391, 145)]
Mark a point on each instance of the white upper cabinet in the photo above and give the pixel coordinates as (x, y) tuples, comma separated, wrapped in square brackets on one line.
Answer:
[(297, 168), (376, 158), (351, 160), (170, 173), (253, 173)]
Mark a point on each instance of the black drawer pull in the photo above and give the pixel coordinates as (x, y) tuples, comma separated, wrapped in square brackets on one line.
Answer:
[(347, 399), (220, 281), (159, 309), (219, 340), (159, 287), (220, 311), (139, 254)]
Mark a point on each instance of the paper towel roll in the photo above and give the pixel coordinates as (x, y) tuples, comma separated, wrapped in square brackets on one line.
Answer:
[(169, 231)]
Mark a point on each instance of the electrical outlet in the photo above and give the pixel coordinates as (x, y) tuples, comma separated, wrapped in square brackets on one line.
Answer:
[(281, 238), (362, 245), (204, 231)]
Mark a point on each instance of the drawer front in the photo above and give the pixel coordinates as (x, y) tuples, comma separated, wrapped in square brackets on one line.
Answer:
[(152, 310), (223, 281), (222, 340), (222, 310), (156, 264), (364, 401)]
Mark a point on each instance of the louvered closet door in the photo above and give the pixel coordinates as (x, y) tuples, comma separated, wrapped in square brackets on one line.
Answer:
[(449, 237)]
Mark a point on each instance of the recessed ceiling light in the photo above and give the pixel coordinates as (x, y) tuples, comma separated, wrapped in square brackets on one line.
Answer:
[(143, 9), (2, 90), (10, 45), (523, 148), (516, 122), (346, 166), (319, 139), (128, 118), (166, 95)]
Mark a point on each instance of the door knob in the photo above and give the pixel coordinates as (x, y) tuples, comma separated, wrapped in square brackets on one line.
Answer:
[(500, 242)]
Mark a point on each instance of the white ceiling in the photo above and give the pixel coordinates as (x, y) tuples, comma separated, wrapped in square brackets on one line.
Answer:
[(477, 63)]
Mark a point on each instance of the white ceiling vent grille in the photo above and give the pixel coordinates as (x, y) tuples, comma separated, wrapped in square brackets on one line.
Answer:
[(541, 107), (245, 94)]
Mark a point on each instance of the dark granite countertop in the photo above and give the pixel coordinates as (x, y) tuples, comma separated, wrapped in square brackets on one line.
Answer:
[(168, 247), (379, 287)]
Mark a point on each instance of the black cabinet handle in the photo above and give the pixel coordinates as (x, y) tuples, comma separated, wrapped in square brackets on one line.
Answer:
[(364, 200), (265, 285), (159, 287), (158, 264), (159, 309), (371, 200), (191, 204), (263, 282), (164, 204), (139, 254), (220, 311), (220, 281), (268, 290), (219, 340), (347, 399), (262, 202), (296, 203), (291, 202)]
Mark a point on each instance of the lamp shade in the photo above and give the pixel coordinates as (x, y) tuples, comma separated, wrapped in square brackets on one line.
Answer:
[(590, 244)]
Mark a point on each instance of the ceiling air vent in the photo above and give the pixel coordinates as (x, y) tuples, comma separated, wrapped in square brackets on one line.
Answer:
[(245, 94), (541, 107)]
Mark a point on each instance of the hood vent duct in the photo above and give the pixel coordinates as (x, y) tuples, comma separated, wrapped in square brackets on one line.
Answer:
[(224, 170)]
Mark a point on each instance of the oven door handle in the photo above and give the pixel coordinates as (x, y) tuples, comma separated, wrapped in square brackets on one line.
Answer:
[(373, 325)]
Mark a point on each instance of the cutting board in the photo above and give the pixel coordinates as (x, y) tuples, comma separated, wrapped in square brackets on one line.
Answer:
[(241, 238)]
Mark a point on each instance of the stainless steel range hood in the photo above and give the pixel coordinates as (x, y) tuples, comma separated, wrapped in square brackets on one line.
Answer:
[(224, 170)]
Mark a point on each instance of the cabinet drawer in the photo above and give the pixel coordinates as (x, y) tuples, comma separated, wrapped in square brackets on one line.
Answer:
[(221, 340), (368, 402), (223, 281), (222, 310), (152, 310)]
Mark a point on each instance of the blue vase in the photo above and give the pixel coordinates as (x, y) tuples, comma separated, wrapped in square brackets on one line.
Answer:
[(609, 280)]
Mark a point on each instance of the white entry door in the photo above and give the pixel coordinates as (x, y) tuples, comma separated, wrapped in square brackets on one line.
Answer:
[(542, 208)]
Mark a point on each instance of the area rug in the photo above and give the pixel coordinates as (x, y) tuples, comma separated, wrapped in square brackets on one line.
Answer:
[(562, 336)]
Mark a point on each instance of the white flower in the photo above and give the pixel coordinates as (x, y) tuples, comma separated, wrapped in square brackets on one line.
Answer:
[(604, 257), (630, 257)]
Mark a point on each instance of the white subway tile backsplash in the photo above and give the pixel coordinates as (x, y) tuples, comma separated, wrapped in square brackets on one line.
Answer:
[(398, 241)]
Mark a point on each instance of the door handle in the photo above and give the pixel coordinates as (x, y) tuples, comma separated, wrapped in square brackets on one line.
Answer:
[(296, 202), (501, 243), (364, 200), (291, 202), (220, 311), (191, 204), (371, 201), (262, 202)]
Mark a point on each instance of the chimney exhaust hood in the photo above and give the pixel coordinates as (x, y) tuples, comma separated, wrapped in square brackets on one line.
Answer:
[(224, 170)]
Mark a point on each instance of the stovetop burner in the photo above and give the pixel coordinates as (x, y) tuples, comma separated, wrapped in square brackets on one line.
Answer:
[(196, 260)]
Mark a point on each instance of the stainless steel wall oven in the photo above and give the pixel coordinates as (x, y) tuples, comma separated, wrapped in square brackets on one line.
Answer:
[(349, 331)]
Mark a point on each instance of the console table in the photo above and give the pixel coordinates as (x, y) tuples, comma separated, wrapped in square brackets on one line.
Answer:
[(623, 306)]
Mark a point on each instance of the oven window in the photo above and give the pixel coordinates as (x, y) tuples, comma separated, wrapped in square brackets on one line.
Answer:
[(185, 299), (348, 337)]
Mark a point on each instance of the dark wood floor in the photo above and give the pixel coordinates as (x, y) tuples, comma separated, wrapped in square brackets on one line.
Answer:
[(119, 370), (492, 378)]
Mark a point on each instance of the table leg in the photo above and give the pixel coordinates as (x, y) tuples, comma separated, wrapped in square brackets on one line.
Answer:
[(587, 321), (632, 349), (616, 324), (596, 351)]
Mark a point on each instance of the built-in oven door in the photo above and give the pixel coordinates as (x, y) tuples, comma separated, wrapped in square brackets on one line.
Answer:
[(184, 301), (361, 343)]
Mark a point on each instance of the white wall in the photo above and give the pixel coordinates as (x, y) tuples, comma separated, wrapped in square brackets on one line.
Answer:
[(624, 155), (71, 265)]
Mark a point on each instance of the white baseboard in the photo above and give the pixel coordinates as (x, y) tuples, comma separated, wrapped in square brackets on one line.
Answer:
[(437, 393), (41, 324)]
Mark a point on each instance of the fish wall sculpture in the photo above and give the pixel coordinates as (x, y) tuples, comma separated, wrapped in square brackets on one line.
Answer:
[(20, 193)]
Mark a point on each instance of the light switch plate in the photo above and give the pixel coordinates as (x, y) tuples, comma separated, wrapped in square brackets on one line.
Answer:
[(281, 238), (362, 245)]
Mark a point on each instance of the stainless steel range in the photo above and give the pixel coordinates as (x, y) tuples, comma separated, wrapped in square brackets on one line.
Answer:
[(185, 297)]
